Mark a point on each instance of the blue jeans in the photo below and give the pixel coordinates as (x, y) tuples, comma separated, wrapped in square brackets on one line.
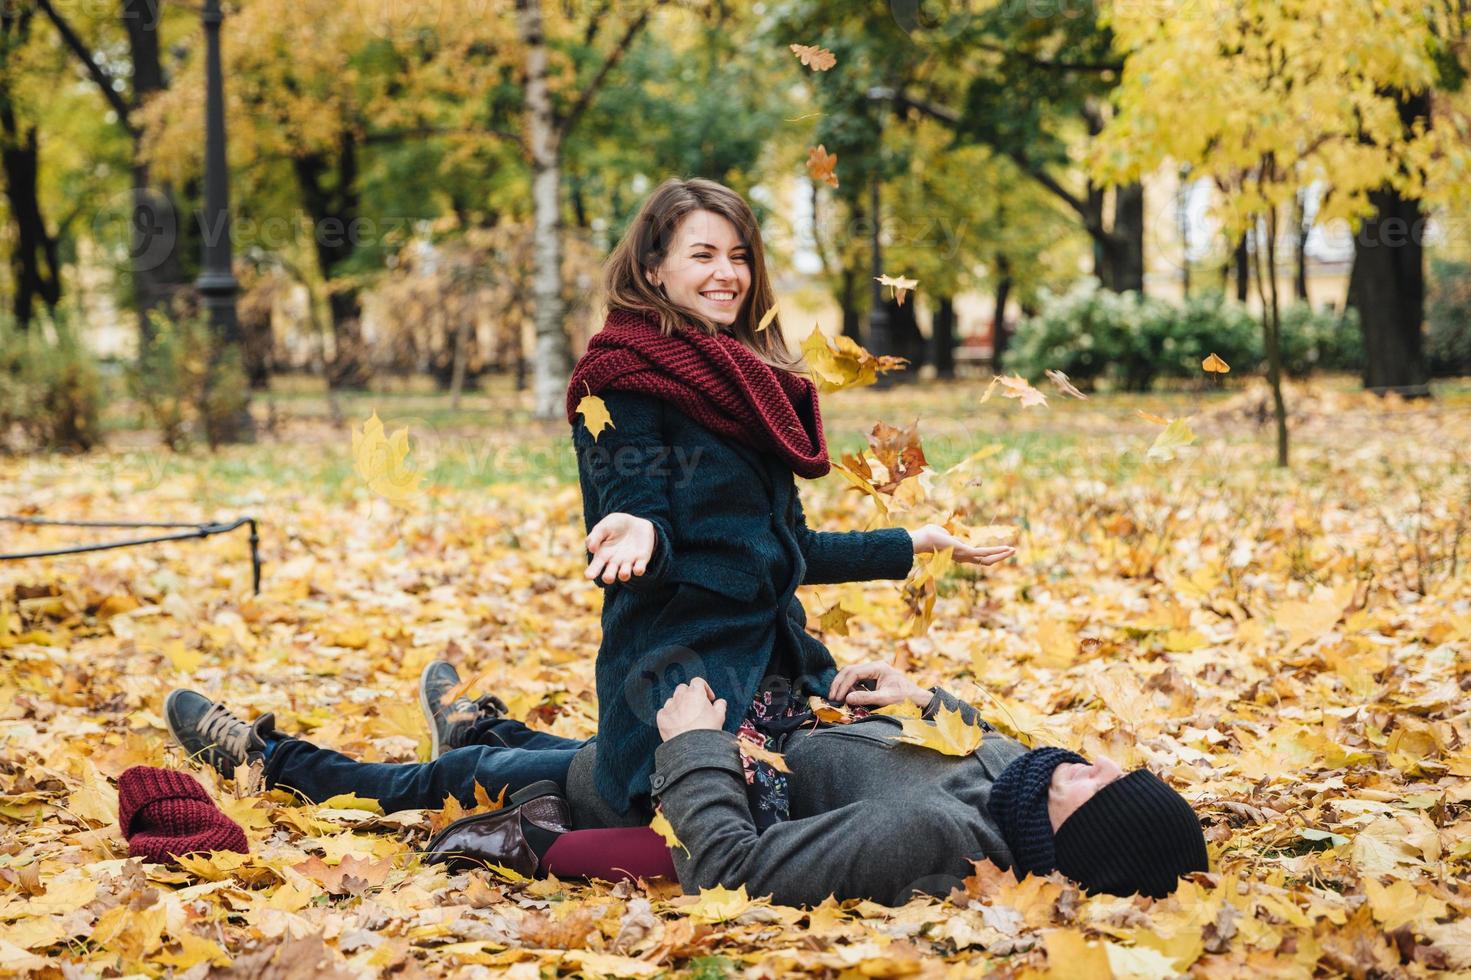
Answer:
[(506, 755)]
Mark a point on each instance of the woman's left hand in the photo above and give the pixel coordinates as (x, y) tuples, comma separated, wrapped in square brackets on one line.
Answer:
[(933, 537)]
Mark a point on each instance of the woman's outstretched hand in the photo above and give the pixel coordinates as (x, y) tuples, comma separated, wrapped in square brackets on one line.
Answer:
[(933, 537), (621, 547), (692, 707), (888, 685)]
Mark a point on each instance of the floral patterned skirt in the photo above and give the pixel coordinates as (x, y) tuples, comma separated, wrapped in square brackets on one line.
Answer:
[(775, 712)]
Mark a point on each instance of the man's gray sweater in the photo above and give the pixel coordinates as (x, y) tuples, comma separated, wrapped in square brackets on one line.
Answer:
[(870, 817)]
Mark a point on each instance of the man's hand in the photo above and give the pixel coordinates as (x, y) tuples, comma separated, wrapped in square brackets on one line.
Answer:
[(692, 707), (621, 546), (933, 537), (890, 686)]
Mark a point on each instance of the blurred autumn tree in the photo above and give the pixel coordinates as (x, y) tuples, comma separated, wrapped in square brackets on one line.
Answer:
[(1270, 97)]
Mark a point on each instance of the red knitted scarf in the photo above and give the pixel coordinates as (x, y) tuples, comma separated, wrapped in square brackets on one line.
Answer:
[(717, 381)]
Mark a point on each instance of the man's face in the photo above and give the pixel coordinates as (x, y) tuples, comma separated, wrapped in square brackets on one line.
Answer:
[(707, 269), (1075, 783)]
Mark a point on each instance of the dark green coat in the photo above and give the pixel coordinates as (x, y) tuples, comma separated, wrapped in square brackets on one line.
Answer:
[(718, 598)]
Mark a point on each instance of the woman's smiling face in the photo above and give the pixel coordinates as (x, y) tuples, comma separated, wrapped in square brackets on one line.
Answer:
[(707, 268)]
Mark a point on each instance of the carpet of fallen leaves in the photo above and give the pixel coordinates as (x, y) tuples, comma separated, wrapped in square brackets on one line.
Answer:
[(1292, 649)]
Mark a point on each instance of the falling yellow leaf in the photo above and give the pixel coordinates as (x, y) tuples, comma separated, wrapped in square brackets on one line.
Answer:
[(595, 415), (901, 285), (1015, 386), (382, 462), (834, 619), (814, 57), (661, 826), (1176, 436), (1063, 385), (838, 362), (948, 734), (1214, 365), (766, 318), (822, 165)]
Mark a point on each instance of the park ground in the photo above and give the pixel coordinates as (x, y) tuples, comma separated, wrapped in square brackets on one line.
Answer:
[(1291, 648)]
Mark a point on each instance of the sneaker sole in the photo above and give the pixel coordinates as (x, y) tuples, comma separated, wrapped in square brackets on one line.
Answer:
[(429, 712)]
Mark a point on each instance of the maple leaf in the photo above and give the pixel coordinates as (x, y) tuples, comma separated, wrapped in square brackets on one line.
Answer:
[(901, 286), (838, 362), (718, 904), (1176, 436), (829, 714), (814, 57), (1062, 383), (595, 417), (1214, 365), (948, 734), (898, 450), (834, 619), (822, 165), (351, 876), (1015, 386), (382, 461), (452, 810)]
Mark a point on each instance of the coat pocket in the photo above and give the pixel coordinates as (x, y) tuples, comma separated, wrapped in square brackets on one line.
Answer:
[(728, 580)]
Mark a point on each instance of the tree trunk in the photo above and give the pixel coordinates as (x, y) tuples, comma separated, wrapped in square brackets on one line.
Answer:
[(34, 266), (553, 359), (1126, 251), (334, 213), (905, 337), (154, 246), (848, 301), (1389, 283), (1242, 257), (349, 367), (1266, 284), (1000, 332), (1300, 248), (942, 334)]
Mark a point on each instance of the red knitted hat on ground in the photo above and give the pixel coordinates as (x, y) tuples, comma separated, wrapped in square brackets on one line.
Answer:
[(163, 813)]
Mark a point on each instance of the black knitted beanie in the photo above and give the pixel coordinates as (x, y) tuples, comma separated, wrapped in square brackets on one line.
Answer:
[(1019, 804), (1135, 835)]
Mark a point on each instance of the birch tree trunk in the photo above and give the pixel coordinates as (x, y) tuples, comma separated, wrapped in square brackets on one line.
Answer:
[(553, 359)]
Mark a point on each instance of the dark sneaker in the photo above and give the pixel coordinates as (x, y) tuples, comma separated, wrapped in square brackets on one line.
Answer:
[(450, 721), (209, 732)]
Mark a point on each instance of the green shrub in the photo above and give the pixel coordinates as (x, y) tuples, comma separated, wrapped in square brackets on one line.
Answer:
[(1091, 334), (1171, 341), (186, 392), (1448, 319), (1083, 332), (52, 391), (1320, 340)]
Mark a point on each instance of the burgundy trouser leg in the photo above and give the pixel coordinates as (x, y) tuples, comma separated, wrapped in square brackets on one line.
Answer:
[(612, 854)]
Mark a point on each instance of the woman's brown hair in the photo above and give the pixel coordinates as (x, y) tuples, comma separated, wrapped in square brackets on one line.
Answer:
[(647, 241)]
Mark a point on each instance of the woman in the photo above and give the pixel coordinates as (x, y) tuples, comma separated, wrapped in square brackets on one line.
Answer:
[(694, 522)]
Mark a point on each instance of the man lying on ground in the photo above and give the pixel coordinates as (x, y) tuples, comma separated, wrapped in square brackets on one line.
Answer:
[(860, 815)]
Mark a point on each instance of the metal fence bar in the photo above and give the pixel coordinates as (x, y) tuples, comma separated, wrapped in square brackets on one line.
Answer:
[(201, 530)]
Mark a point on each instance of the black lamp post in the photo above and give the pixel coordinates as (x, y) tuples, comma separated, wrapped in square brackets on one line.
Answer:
[(217, 284)]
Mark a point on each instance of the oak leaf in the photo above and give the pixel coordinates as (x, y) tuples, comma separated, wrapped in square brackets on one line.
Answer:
[(822, 165), (814, 57)]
